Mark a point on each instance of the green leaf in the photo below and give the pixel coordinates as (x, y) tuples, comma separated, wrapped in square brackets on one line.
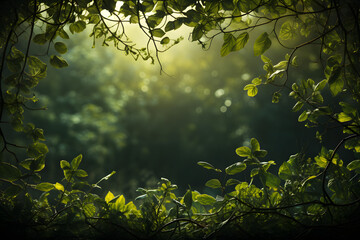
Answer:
[(173, 25), (235, 168), (303, 116), (262, 43), (58, 62), (60, 47), (157, 32), (40, 39), (89, 210), (9, 172), (80, 173), (285, 171), (205, 199), (109, 196), (197, 32), (45, 186), (255, 146), (320, 86), (188, 199), (241, 41), (353, 165), (208, 166), (63, 34), (335, 81), (59, 187), (272, 180), (64, 165), (243, 151), (77, 27), (228, 45), (76, 162), (37, 67), (252, 90), (165, 40), (213, 183), (343, 117), (232, 181), (297, 106), (109, 5)]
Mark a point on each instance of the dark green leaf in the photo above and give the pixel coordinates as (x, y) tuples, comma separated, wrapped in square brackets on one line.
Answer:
[(336, 82), (58, 62), (157, 32), (60, 47), (9, 172), (40, 39), (188, 199), (353, 165)]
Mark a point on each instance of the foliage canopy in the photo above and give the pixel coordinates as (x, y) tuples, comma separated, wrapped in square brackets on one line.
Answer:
[(305, 196)]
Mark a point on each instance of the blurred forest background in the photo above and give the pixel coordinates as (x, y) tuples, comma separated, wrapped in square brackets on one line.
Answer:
[(124, 115)]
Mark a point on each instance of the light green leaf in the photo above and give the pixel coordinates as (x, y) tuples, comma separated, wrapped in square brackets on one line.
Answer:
[(303, 116), (205, 199), (255, 146), (213, 183), (343, 117), (208, 166), (252, 90), (228, 45), (297, 106), (64, 164), (243, 151), (45, 186), (76, 162), (109, 196), (59, 187), (241, 41), (262, 43), (89, 210), (235, 168)]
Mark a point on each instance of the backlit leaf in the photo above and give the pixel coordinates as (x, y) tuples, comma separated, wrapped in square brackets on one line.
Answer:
[(243, 151), (262, 43), (235, 168), (353, 165), (205, 199), (213, 183), (45, 186)]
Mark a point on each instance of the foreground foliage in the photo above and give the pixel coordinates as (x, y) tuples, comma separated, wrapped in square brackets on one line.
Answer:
[(305, 196)]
